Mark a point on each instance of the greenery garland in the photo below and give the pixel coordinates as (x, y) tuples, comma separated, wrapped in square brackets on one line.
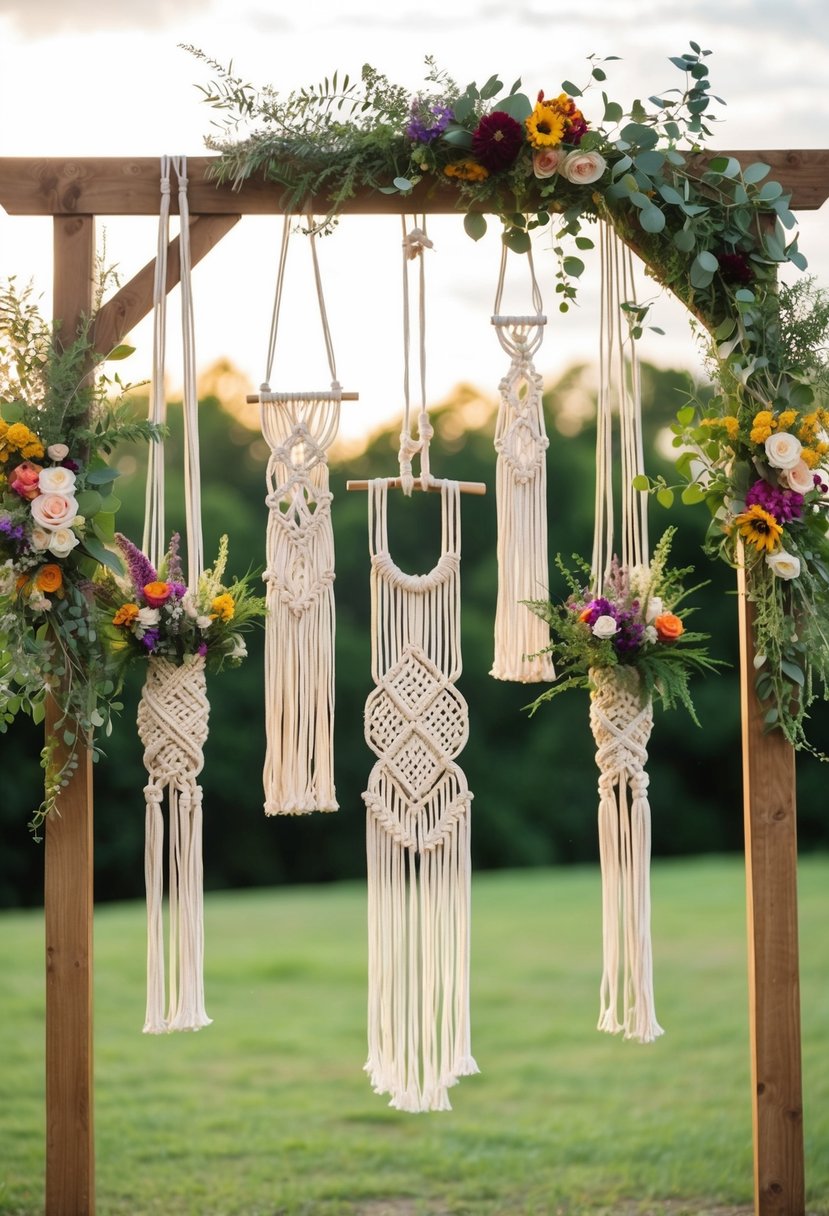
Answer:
[(713, 231)]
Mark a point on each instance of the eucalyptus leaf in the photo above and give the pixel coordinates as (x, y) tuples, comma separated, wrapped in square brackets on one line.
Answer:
[(518, 106), (652, 219), (101, 476), (474, 225), (755, 173)]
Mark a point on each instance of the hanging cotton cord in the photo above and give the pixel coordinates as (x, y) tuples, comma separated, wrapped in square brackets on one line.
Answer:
[(173, 710), (414, 243), (299, 428), (621, 724), (417, 829), (521, 496)]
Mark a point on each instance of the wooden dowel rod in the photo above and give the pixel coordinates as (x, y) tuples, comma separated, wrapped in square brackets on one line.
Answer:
[(394, 483), (277, 398)]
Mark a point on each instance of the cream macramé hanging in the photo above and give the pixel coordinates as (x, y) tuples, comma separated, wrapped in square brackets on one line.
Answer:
[(417, 800), (521, 442), (299, 631), (621, 724), (173, 710)]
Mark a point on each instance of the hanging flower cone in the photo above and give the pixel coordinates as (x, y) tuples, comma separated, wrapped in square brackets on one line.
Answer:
[(172, 724), (621, 726)]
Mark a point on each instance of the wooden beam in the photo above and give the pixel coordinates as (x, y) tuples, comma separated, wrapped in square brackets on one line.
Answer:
[(68, 886), (773, 971), (134, 300), (129, 186)]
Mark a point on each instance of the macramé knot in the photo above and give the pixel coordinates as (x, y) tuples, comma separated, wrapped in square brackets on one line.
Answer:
[(173, 722)]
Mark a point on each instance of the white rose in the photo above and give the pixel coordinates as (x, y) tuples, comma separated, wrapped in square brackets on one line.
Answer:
[(582, 168), (54, 510), (783, 450), (148, 617), (56, 481), (57, 451), (800, 478), (62, 541), (39, 539), (204, 622), (189, 606), (783, 564), (604, 627), (655, 608)]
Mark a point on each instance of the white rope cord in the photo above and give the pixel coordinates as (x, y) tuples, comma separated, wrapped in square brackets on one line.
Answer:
[(521, 496), (415, 242), (173, 710), (621, 725), (417, 823), (299, 428)]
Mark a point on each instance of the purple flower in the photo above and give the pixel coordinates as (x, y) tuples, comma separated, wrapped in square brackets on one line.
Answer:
[(138, 566), (150, 639), (174, 571), (71, 465), (177, 590), (631, 632), (820, 483), (735, 268), (596, 608), (785, 505), (427, 122), (202, 649), (13, 531)]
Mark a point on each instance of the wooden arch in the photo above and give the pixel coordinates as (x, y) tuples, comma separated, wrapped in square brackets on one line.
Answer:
[(75, 192)]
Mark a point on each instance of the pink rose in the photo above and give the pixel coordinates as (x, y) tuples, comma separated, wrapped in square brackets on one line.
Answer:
[(547, 161), (24, 480), (800, 478), (583, 168), (53, 511)]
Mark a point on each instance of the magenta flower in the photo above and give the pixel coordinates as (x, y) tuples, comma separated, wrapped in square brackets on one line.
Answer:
[(785, 505), (497, 140)]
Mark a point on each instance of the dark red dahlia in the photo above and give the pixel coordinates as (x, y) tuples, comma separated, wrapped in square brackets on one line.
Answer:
[(497, 140), (735, 268), (574, 129)]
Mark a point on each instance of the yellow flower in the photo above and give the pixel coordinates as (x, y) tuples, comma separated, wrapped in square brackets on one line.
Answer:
[(759, 528), (810, 457), (125, 615), (807, 432), (786, 419), (762, 426), (732, 427), (545, 126), (223, 607), (18, 438), (466, 171)]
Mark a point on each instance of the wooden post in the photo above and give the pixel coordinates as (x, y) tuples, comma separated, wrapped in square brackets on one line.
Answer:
[(68, 898), (773, 971)]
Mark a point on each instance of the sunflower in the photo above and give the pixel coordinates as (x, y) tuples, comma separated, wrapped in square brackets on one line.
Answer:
[(759, 528), (545, 126)]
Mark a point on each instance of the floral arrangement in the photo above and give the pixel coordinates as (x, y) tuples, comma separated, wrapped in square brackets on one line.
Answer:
[(152, 613), (635, 627), (58, 422)]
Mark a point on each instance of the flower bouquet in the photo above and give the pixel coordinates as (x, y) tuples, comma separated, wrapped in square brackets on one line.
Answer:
[(628, 644), (58, 422)]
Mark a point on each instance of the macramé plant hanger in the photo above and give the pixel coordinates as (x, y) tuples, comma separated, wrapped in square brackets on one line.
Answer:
[(299, 630), (620, 722), (417, 800), (173, 711), (521, 636)]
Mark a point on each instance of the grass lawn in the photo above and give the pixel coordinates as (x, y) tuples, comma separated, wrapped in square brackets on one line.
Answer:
[(268, 1113)]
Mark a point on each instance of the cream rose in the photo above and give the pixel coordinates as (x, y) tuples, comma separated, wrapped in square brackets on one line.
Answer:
[(147, 617), (547, 162), (800, 478), (783, 564), (39, 539), (53, 511), (583, 168), (57, 451), (62, 541), (783, 450), (604, 627), (655, 608), (56, 481)]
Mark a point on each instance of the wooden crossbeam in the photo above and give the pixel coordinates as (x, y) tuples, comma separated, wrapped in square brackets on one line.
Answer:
[(105, 185)]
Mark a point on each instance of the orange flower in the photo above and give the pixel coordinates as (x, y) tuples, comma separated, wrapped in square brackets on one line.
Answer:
[(156, 594), (466, 170), (49, 578), (125, 615), (668, 627)]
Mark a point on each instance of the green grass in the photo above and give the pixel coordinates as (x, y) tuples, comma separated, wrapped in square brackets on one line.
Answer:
[(268, 1112)]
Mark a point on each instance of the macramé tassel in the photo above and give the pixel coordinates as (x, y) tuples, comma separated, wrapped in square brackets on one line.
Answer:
[(621, 727), (172, 724)]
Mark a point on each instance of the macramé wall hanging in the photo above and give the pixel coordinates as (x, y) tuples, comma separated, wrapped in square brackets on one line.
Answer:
[(417, 800), (299, 631), (521, 496), (621, 724), (173, 710)]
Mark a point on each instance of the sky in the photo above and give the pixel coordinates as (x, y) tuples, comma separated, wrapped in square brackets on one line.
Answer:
[(88, 77)]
